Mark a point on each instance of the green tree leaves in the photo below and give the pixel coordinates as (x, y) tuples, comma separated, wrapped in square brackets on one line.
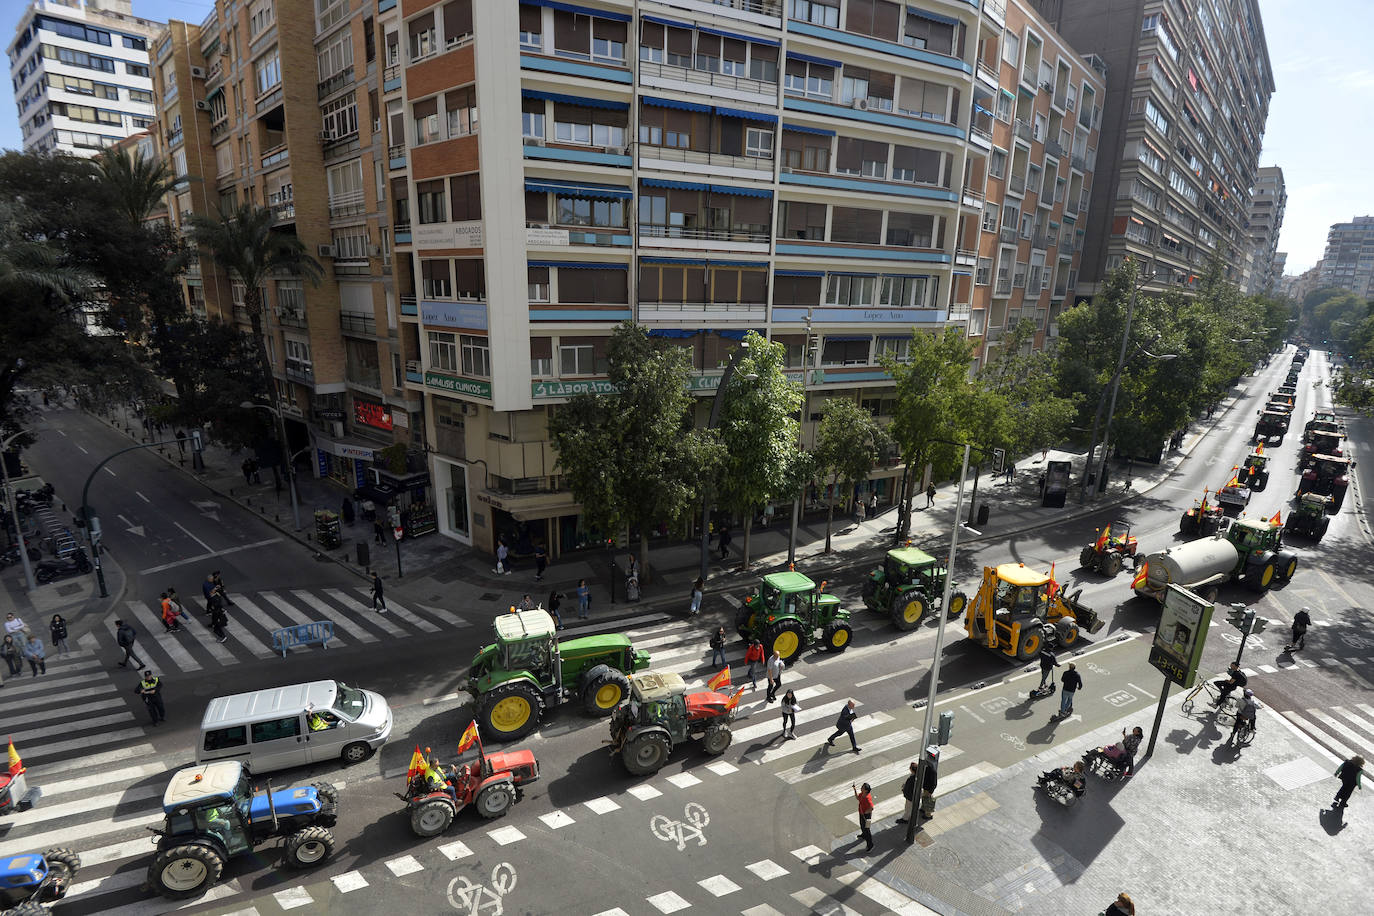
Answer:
[(849, 443)]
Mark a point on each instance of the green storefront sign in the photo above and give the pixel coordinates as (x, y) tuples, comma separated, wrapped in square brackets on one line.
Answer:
[(470, 387), (697, 384)]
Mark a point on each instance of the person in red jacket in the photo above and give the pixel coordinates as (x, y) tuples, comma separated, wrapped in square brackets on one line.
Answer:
[(754, 658), (865, 797)]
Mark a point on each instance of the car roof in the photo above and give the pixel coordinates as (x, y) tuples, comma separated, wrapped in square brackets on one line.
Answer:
[(789, 581), (1019, 574), (260, 704), (912, 556), (208, 781), (648, 686), (523, 624)]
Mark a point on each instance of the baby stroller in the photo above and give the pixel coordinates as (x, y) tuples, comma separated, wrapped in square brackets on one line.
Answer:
[(1066, 786), (632, 587), (1107, 762)]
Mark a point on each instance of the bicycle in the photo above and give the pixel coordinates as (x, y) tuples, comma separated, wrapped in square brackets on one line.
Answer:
[(1225, 711)]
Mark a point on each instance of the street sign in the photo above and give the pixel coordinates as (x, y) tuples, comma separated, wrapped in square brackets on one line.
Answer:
[(1181, 635), (999, 458)]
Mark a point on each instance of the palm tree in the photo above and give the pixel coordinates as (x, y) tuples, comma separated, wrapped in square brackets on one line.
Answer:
[(245, 245), (139, 185), (28, 267)]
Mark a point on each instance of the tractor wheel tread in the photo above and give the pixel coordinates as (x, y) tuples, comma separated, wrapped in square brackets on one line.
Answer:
[(210, 862), (838, 634), (65, 856), (309, 846), (431, 818), (778, 631), (495, 800), (509, 692), (645, 753), (909, 609), (716, 740), (605, 690)]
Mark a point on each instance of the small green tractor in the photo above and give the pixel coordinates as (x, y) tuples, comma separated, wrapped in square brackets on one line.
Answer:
[(786, 613), (1254, 473), (908, 584), (528, 670), (1309, 519), (661, 715)]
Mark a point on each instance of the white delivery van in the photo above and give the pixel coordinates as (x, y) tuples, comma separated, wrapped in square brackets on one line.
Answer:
[(291, 726)]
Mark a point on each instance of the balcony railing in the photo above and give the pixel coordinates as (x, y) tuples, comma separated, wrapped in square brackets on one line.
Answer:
[(706, 78), (959, 311), (396, 151), (976, 195), (1022, 129), (391, 73), (997, 8), (214, 73), (291, 318), (699, 157), (1003, 287), (966, 256), (275, 157), (1017, 184), (335, 82), (691, 232), (1007, 235), (1028, 75), (364, 377), (361, 324), (303, 374), (1052, 148), (1079, 163), (415, 372), (980, 131), (350, 204), (1041, 240), (985, 70)]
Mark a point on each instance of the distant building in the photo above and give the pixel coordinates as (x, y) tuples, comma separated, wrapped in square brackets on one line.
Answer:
[(1349, 259), (81, 75), (1268, 200), (1299, 285)]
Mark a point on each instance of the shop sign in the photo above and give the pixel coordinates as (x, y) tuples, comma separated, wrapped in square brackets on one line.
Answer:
[(372, 414), (568, 389), (360, 452), (322, 459), (546, 237), (447, 235), (472, 387), (401, 419), (859, 315), (329, 414), (471, 315)]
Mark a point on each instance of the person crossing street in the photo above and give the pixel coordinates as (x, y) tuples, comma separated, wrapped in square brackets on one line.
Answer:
[(126, 636), (378, 596), (150, 689), (774, 672), (1301, 621), (844, 725)]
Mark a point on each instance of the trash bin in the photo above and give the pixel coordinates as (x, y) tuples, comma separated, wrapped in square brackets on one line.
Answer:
[(983, 514), (364, 555)]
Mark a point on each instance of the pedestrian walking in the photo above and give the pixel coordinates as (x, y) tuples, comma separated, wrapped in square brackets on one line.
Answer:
[(930, 494), (256, 470), (247, 469), (378, 532), (126, 636), (698, 592), (33, 651), (864, 794), (1048, 662), (724, 543), (13, 624), (378, 594), (207, 588), (526, 602), (1349, 774), (1301, 621), (541, 561), (844, 725), (930, 781), (718, 647), (909, 793), (873, 504), (223, 592), (1011, 471), (753, 657), (631, 567), (1121, 906), (14, 654), (57, 628), (775, 669), (219, 619), (214, 604), (555, 601), (502, 558), (584, 600), (150, 689), (1130, 743), (789, 715), (346, 511), (181, 441), (1072, 681), (176, 602), (170, 623)]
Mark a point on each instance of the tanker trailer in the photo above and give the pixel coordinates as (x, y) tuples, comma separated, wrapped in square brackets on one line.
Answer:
[(1243, 549)]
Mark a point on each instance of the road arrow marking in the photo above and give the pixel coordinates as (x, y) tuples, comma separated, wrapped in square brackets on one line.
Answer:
[(131, 527)]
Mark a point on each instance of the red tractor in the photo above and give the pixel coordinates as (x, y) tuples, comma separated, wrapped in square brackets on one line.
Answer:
[(489, 782), (1326, 475), (660, 715), (1202, 519), (1114, 546)]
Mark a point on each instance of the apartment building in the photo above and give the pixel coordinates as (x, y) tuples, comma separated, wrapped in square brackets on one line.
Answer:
[(1040, 104), (1188, 89), (1349, 258), (81, 76), (1268, 200)]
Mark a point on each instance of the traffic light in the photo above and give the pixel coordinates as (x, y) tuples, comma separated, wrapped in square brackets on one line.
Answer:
[(945, 728), (1257, 624), (1237, 615)]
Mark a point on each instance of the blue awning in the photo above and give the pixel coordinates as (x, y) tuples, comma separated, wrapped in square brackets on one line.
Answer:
[(578, 189), (584, 10), (671, 22), (747, 264), (671, 333), (829, 338), (673, 185), (736, 35), (580, 265), (933, 17), (747, 115), (575, 100), (680, 262), (674, 103), (731, 335), (818, 131), (741, 192), (824, 62), (798, 273)]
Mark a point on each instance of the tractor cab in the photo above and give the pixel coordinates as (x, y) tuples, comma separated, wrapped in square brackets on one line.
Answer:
[(660, 698), (214, 800), (787, 610), (789, 593), (1021, 592), (525, 639)]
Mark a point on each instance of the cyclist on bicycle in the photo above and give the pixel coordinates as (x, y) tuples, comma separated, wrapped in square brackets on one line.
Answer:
[(1246, 714), (1301, 621), (1235, 679)]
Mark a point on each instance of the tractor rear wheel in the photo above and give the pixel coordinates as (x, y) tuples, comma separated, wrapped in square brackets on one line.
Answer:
[(509, 712), (717, 739), (1261, 481), (1189, 524), (431, 818), (1287, 565), (29, 908), (909, 610), (308, 847), (744, 621), (606, 689), (185, 871), (66, 858), (785, 638), (326, 791), (1066, 632), (1031, 641), (838, 633), (870, 589), (646, 753), (495, 800), (1110, 565), (957, 602), (1087, 557), (1262, 575)]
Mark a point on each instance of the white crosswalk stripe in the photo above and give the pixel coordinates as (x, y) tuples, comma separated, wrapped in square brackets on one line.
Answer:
[(341, 621), (375, 619), (296, 615), (150, 624)]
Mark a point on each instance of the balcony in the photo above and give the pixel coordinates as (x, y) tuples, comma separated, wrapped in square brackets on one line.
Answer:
[(1022, 129), (336, 82), (1052, 148), (1007, 235), (449, 441), (291, 318), (355, 323), (697, 157), (408, 306), (415, 372), (688, 312), (351, 204), (960, 311), (977, 130), (214, 73), (997, 9), (396, 155), (1017, 184), (973, 198), (702, 234), (300, 372), (368, 378), (1028, 75), (1041, 240), (1078, 162), (1003, 287), (966, 257), (275, 157), (987, 73), (654, 73)]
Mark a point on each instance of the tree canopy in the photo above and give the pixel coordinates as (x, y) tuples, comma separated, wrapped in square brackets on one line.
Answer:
[(849, 443)]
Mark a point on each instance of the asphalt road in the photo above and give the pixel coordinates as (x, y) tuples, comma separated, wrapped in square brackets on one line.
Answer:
[(761, 819)]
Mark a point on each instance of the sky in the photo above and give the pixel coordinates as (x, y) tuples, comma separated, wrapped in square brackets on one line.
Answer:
[(1317, 132)]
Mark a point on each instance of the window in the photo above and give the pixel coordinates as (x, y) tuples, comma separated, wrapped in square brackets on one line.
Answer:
[(1004, 108), (906, 292), (531, 29), (1137, 231), (1006, 259), (260, 16), (538, 284), (131, 69), (432, 201), (815, 81), (850, 290), (600, 214), (532, 119), (997, 163), (138, 95), (224, 159), (465, 197), (983, 274), (1145, 194), (806, 152), (346, 189), (219, 739), (1146, 106), (460, 107), (469, 279), (135, 44), (457, 22), (340, 117), (1018, 277), (990, 217), (797, 220), (267, 71), (1011, 216), (608, 41), (816, 12), (424, 38), (924, 99), (861, 157), (335, 57), (940, 36), (594, 284), (916, 165), (425, 116), (436, 275), (572, 34), (763, 63), (1151, 157), (443, 351), (351, 244), (576, 359), (758, 143), (853, 224), (297, 352), (845, 351), (541, 356), (878, 18), (276, 729), (910, 230), (1011, 48)]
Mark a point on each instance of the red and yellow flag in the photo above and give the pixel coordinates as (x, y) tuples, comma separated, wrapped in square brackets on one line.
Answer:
[(1233, 482), (1054, 586), (1274, 520), (1259, 449), (734, 700), (1103, 537), (16, 765), (469, 736), (418, 764), (1139, 579), (721, 679)]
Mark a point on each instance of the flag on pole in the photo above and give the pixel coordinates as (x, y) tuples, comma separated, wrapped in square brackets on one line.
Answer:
[(721, 679), (1233, 482), (1275, 519), (1259, 449), (1139, 579), (1054, 586), (1103, 538), (734, 700), (418, 764), (469, 736), (16, 765)]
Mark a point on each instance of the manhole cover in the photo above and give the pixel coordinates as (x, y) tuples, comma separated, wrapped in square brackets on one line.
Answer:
[(489, 596), (69, 589)]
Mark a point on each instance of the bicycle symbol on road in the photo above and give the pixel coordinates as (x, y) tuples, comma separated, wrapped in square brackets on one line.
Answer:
[(478, 899), (1014, 741), (1095, 668), (694, 821)]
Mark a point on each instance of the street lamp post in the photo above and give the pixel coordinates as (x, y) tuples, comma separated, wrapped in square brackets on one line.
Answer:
[(9, 496), (88, 515), (706, 493), (290, 468)]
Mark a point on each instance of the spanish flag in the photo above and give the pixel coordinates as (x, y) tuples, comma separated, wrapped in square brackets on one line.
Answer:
[(1233, 482), (1139, 579), (1259, 449), (16, 765), (1054, 586), (1103, 537), (1275, 520), (418, 764), (721, 679), (469, 736), (734, 700)]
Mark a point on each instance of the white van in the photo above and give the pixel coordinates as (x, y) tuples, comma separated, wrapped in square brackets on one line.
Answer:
[(290, 726)]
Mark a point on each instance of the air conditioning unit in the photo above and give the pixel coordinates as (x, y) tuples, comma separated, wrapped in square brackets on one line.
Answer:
[(859, 105), (202, 105), (198, 72), (536, 141), (326, 136), (324, 251)]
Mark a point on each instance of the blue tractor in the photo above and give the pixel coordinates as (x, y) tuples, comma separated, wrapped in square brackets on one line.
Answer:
[(213, 815), (28, 881)]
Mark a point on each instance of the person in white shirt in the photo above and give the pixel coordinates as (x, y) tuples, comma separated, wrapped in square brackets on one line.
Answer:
[(13, 624)]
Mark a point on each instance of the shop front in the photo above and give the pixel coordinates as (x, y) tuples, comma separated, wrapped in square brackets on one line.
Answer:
[(406, 497), (343, 462)]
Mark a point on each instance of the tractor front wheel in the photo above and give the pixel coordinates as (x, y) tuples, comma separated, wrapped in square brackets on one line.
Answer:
[(1321, 528), (646, 753), (308, 847), (1261, 481), (182, 872), (509, 712), (1087, 557), (1066, 632), (606, 689), (1189, 524), (431, 818), (717, 739), (1031, 641), (785, 638), (65, 859), (1110, 565), (908, 610), (495, 800), (838, 633), (29, 908), (1261, 575), (1287, 565)]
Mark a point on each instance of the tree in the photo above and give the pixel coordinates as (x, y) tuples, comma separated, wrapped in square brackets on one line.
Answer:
[(138, 185), (1035, 417), (849, 443), (760, 431), (631, 456), (934, 407), (246, 246)]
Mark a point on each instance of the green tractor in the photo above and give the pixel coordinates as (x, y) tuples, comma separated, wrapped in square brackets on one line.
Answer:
[(1309, 519), (908, 584), (527, 670), (661, 716), (1254, 473), (787, 611)]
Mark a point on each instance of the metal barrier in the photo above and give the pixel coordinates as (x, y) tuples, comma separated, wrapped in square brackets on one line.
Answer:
[(321, 631)]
